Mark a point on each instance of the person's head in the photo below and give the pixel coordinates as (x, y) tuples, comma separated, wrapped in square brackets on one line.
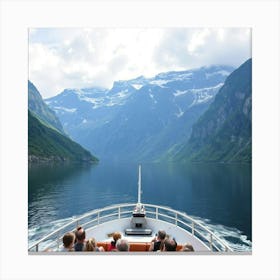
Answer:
[(188, 248), (170, 245), (161, 234), (122, 245), (90, 245), (116, 236), (80, 234), (68, 240)]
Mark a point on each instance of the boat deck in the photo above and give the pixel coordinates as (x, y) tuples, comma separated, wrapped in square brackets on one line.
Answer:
[(102, 233), (102, 223)]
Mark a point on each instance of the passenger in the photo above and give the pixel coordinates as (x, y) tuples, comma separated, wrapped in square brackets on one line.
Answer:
[(122, 245), (187, 248), (90, 246), (170, 245), (116, 237), (68, 242), (80, 239), (157, 242)]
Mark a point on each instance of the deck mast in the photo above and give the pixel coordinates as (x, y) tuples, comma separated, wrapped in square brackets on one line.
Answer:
[(138, 223), (139, 185)]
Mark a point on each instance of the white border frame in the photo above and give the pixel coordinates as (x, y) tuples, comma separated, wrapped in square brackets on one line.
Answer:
[(17, 16)]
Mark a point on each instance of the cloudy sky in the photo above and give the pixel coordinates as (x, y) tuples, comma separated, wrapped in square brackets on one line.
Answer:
[(62, 58)]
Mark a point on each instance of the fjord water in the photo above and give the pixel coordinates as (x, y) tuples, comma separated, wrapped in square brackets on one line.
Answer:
[(216, 194)]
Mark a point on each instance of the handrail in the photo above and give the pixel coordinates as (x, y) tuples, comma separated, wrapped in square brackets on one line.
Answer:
[(96, 211), (192, 220), (192, 228)]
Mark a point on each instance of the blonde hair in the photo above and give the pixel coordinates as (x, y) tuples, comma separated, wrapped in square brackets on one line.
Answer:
[(90, 245), (116, 236)]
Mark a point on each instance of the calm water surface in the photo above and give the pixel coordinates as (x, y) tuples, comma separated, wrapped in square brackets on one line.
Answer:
[(217, 194)]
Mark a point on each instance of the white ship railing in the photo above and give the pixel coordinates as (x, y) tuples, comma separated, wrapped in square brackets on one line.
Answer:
[(120, 211)]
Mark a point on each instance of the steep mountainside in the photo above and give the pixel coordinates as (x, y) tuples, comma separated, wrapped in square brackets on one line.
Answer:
[(46, 138), (224, 132), (38, 107), (46, 144), (142, 118)]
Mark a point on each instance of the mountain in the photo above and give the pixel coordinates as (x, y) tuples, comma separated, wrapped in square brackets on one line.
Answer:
[(224, 132), (46, 138), (142, 118), (46, 144), (38, 107)]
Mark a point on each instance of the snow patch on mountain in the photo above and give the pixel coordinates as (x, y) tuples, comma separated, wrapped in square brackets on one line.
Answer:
[(180, 113), (79, 92), (198, 90), (160, 83), (137, 86), (96, 101), (169, 79), (67, 110), (118, 99), (220, 72), (153, 98), (180, 92), (201, 97)]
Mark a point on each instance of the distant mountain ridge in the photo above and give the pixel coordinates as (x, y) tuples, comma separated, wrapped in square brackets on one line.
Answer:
[(142, 118), (224, 131), (47, 141)]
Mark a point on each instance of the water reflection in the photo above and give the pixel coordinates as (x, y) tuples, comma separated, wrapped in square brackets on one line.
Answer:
[(221, 193)]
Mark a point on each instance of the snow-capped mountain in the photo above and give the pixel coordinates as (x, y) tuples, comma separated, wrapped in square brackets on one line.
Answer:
[(224, 132), (142, 118)]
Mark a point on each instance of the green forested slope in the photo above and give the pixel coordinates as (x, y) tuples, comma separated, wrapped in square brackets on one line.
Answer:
[(46, 144)]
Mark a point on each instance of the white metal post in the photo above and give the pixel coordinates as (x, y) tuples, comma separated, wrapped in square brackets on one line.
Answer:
[(211, 242), (139, 185)]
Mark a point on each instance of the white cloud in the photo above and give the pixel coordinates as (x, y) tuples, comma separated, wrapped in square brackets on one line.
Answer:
[(198, 39), (73, 58)]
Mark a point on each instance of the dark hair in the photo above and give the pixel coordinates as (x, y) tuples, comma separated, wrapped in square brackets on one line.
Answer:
[(68, 238), (170, 244), (80, 234), (161, 234)]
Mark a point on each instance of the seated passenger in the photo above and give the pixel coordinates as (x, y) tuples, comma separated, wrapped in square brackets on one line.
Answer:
[(187, 248), (122, 245), (80, 239), (170, 245), (90, 246), (68, 242), (157, 242), (116, 237)]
